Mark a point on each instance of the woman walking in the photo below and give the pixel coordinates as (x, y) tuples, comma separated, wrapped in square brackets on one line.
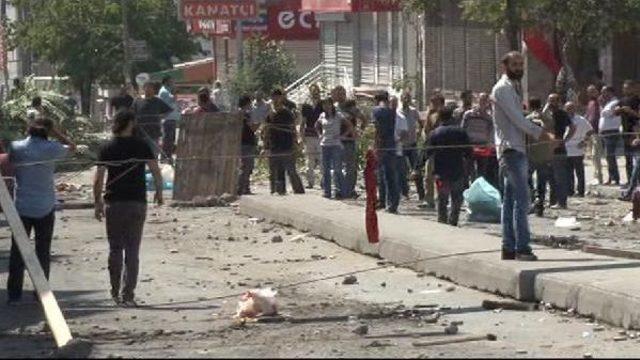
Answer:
[(332, 127)]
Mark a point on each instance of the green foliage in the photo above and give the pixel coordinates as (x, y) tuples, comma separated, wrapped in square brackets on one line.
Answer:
[(584, 23), (266, 66), (83, 38), (14, 113)]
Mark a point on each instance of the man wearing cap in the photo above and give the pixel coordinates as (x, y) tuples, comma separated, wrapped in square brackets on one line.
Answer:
[(34, 159)]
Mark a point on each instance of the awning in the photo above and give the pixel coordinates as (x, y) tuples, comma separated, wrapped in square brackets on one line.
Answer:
[(194, 72), (322, 6)]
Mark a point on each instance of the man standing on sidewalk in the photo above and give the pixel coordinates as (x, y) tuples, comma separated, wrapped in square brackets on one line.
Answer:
[(384, 118), (561, 124), (593, 117), (478, 124), (311, 111), (511, 128), (609, 129), (629, 111), (249, 146), (170, 122), (349, 109), (449, 147), (34, 160), (575, 150), (280, 134), (125, 202), (429, 124), (409, 115)]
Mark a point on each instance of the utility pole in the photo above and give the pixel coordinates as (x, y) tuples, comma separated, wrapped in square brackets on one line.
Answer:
[(5, 67), (125, 41), (513, 28), (239, 40)]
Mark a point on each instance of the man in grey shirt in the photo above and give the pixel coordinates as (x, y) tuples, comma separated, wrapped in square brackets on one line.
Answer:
[(511, 128)]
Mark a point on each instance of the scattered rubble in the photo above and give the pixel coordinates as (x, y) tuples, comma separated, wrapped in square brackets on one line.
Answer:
[(350, 280)]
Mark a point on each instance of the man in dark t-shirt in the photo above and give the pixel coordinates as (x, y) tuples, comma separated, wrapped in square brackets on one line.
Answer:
[(124, 206), (311, 111), (628, 109), (280, 135), (384, 118), (149, 112), (563, 129), (449, 147)]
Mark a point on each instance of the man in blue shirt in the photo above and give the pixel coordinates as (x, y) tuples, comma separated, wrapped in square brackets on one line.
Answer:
[(385, 141), (169, 123), (34, 159)]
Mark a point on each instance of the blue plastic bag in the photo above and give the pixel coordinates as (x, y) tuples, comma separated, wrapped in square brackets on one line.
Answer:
[(484, 202)]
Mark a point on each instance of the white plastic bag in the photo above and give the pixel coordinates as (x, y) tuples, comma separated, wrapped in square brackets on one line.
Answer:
[(568, 223), (257, 302)]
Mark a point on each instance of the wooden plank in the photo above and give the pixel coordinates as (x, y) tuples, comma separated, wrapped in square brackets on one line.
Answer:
[(489, 337), (627, 254), (214, 140), (55, 319)]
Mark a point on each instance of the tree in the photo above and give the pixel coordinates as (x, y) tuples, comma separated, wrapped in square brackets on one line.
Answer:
[(267, 65), (83, 38)]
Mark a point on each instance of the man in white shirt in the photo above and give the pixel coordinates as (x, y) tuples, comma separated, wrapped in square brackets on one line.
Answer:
[(400, 131), (575, 149), (511, 128), (219, 96), (609, 130), (408, 117), (169, 123)]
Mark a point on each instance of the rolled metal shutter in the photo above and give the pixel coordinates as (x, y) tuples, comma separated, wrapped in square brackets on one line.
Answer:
[(329, 53), (367, 54), (384, 49), (433, 59), (306, 53)]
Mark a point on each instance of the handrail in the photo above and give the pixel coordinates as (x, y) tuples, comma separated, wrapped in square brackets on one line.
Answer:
[(304, 77)]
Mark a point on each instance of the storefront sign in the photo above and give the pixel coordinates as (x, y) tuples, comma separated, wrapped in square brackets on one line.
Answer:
[(288, 22), (351, 5), (218, 9)]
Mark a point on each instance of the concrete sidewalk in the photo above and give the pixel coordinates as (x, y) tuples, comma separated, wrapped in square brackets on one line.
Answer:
[(599, 286)]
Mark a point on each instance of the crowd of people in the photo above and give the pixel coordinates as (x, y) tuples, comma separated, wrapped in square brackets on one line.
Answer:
[(521, 150)]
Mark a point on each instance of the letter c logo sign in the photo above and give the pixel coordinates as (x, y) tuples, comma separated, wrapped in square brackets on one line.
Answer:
[(287, 20), (304, 22)]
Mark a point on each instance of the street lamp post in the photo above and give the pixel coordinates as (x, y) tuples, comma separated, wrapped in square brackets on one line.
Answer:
[(125, 42)]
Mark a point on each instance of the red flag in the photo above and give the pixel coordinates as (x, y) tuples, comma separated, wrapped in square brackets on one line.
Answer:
[(371, 184), (542, 49)]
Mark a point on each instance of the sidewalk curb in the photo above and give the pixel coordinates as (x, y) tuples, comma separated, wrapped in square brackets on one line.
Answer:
[(593, 285)]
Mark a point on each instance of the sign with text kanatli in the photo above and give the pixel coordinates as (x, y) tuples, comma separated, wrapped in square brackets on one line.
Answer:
[(218, 9)]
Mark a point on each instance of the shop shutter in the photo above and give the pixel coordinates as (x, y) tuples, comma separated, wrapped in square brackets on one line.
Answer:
[(384, 49), (367, 57)]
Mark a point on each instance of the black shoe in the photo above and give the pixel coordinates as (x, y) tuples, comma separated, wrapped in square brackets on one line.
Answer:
[(508, 255), (526, 257), (392, 211)]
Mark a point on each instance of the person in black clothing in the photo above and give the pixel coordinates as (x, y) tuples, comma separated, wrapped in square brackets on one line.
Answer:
[(561, 123), (450, 165), (249, 146), (149, 112), (121, 102), (629, 110), (124, 208), (311, 111), (280, 135)]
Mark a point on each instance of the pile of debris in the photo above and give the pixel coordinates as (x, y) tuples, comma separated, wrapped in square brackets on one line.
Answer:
[(223, 200)]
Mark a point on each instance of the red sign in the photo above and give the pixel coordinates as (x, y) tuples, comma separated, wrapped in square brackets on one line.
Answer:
[(288, 22), (211, 27), (218, 9), (351, 5)]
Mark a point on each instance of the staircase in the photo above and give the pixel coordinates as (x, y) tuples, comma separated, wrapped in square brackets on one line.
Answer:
[(327, 76)]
